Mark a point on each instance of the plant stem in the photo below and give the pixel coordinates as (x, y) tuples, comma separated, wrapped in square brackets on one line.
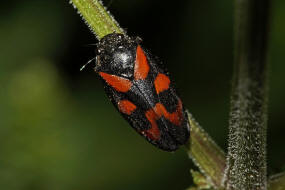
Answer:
[(97, 17), (206, 154), (277, 182), (246, 160), (202, 149)]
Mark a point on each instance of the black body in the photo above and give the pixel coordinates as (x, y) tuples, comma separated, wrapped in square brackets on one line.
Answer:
[(116, 55)]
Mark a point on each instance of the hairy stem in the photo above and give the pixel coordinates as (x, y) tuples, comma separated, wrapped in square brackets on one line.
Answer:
[(206, 154), (246, 160), (97, 17)]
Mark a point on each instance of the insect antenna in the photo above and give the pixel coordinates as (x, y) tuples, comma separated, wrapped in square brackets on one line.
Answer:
[(87, 63)]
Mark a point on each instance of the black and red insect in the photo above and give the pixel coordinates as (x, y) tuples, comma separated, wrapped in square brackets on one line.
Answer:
[(142, 91)]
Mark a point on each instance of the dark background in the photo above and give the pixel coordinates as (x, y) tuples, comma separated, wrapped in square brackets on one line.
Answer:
[(58, 130)]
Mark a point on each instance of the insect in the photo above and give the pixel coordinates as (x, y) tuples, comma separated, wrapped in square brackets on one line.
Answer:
[(142, 91)]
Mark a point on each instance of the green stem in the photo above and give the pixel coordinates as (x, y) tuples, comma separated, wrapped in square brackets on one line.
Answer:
[(246, 160), (277, 182), (206, 154), (97, 17), (202, 149)]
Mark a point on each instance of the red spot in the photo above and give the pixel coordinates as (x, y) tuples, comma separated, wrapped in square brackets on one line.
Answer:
[(152, 133), (126, 107), (161, 83), (177, 116), (141, 65), (118, 83), (156, 113)]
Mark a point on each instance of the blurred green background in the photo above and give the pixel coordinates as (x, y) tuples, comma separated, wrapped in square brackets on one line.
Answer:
[(58, 130)]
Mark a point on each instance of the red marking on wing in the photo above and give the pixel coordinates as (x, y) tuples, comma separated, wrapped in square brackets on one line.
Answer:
[(118, 83), (141, 66), (161, 83), (153, 133), (126, 107), (156, 113)]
